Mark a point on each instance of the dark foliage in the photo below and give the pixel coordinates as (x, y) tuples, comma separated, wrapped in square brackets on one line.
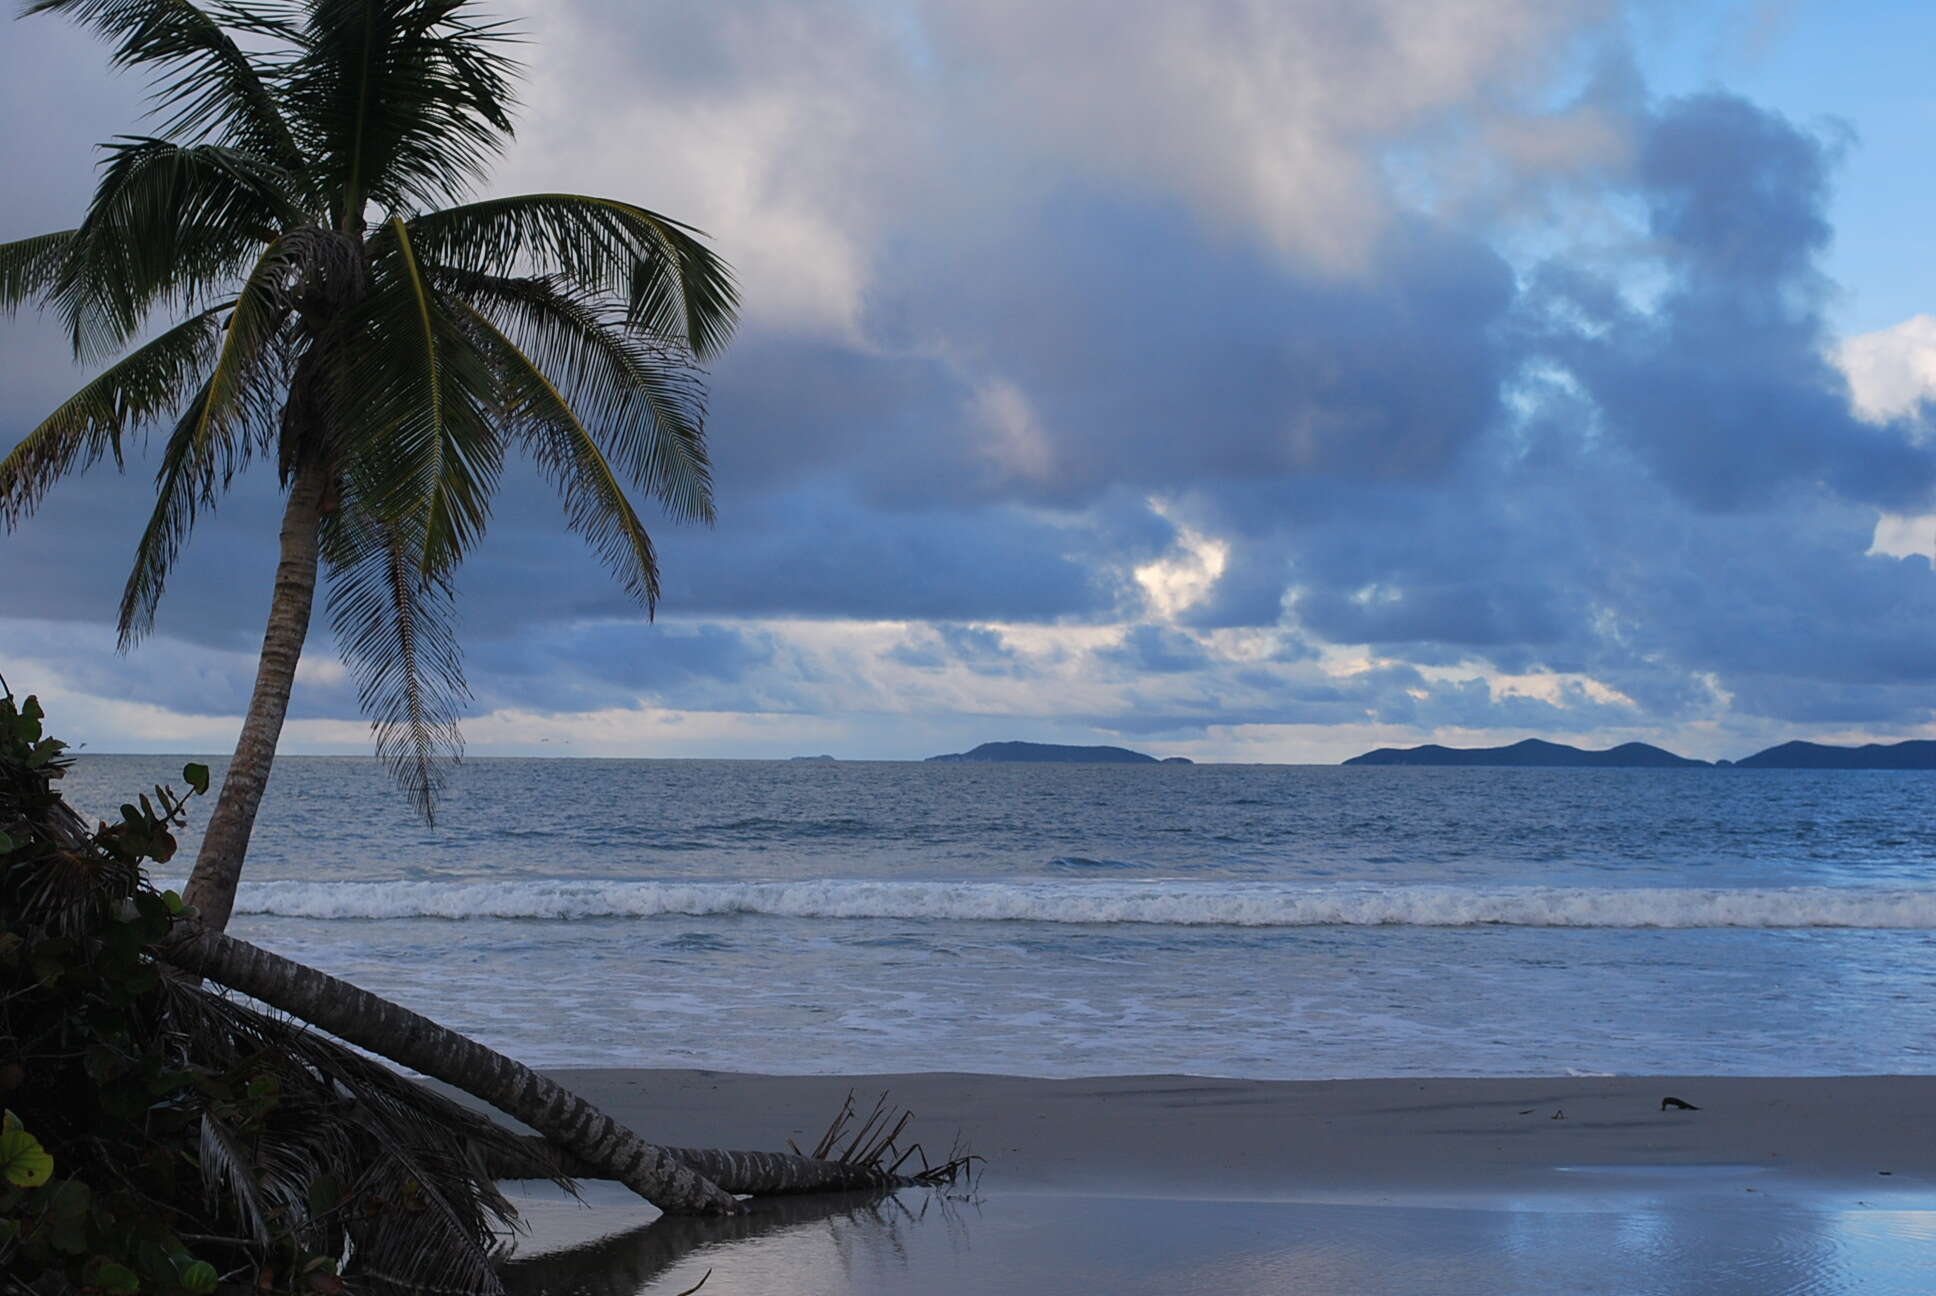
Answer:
[(196, 1143)]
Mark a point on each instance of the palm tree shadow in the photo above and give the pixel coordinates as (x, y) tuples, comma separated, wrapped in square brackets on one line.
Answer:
[(622, 1265)]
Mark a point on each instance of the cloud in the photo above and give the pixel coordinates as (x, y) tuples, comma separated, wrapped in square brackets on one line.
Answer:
[(1156, 649), (1268, 119), (1216, 371), (1891, 371)]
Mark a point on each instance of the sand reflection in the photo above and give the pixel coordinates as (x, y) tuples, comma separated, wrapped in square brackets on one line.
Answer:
[(1039, 1244)]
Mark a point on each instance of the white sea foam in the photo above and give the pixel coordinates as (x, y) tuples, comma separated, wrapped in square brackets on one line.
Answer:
[(1197, 904)]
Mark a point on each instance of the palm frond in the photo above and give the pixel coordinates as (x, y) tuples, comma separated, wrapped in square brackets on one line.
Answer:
[(236, 413), (150, 383), (28, 266), (168, 224), (204, 81), (674, 287), (568, 454), (644, 404), (415, 417), (228, 1177), (353, 1152), (404, 100), (395, 634)]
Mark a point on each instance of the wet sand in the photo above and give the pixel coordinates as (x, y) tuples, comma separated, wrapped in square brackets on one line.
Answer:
[(1330, 1140), (1190, 1186)]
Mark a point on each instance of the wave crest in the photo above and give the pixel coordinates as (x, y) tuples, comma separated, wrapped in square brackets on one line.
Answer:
[(1192, 904)]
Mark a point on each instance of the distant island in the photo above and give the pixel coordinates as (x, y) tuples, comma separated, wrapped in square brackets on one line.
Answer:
[(1533, 752), (1915, 754), (1056, 753), (810, 758)]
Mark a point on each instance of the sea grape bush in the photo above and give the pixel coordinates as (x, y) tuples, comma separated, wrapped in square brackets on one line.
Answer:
[(102, 1177)]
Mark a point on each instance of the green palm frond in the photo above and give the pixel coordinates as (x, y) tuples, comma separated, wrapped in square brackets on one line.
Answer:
[(236, 413), (205, 83), (403, 101), (396, 362), (569, 456), (168, 225), (180, 492), (419, 426), (674, 288), (645, 405), (28, 266), (395, 633), (149, 384)]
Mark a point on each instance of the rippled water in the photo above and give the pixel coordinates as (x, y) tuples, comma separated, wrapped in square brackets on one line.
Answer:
[(1268, 921)]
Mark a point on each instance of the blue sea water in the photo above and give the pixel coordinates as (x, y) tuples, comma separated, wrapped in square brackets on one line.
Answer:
[(1259, 921)]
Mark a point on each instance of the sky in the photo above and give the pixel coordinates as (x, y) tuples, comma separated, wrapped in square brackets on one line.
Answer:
[(1248, 380)]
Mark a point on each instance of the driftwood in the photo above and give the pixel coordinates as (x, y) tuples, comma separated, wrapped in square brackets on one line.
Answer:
[(863, 1165), (578, 1139)]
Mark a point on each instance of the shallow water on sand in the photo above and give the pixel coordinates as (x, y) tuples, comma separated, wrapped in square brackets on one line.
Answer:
[(1669, 1237)]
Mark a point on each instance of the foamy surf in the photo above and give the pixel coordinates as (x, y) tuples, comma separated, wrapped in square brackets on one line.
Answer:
[(1189, 904)]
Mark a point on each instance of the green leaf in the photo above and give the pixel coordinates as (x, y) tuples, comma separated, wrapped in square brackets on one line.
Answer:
[(199, 1279), (325, 1194), (116, 1279), (6, 844), (172, 900), (196, 776), (24, 1163)]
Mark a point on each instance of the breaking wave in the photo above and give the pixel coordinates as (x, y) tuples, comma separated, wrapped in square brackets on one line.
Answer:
[(1195, 904)]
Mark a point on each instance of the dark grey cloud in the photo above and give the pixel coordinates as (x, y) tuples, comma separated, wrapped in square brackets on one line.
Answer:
[(1156, 649), (1723, 384), (589, 667), (980, 649)]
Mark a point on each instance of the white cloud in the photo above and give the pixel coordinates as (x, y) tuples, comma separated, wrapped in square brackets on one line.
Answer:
[(1184, 577), (1891, 372), (1266, 115), (776, 127)]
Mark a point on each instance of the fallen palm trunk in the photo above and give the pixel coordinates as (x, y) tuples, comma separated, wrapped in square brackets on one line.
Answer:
[(409, 1038)]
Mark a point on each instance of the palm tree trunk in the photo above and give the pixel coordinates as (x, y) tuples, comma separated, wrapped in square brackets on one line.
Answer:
[(354, 1014), (218, 868)]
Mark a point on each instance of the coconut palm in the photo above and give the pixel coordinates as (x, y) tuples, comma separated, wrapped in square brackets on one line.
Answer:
[(336, 302)]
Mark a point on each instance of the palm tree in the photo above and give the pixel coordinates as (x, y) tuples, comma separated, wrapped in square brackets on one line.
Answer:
[(339, 304)]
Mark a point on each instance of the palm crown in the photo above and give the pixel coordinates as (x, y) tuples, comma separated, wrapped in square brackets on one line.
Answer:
[(299, 219)]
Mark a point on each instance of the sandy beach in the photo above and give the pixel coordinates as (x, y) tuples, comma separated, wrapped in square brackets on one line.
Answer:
[(1329, 1140), (1184, 1184)]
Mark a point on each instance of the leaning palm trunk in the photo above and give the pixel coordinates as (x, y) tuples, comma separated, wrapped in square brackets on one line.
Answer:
[(218, 867), (395, 1032)]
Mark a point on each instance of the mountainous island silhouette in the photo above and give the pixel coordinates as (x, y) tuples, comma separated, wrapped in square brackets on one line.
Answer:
[(1913, 754), (1058, 754)]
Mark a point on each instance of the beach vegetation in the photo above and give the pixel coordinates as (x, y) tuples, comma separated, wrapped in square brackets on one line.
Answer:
[(160, 1138), (291, 270)]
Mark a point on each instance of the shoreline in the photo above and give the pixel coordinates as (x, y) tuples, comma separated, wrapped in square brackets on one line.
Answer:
[(1371, 1141)]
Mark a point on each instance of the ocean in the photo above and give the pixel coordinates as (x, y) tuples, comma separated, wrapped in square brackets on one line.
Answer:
[(1281, 922)]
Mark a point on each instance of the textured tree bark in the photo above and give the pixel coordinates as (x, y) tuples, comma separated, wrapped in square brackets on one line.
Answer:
[(363, 1019), (218, 868), (757, 1174)]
